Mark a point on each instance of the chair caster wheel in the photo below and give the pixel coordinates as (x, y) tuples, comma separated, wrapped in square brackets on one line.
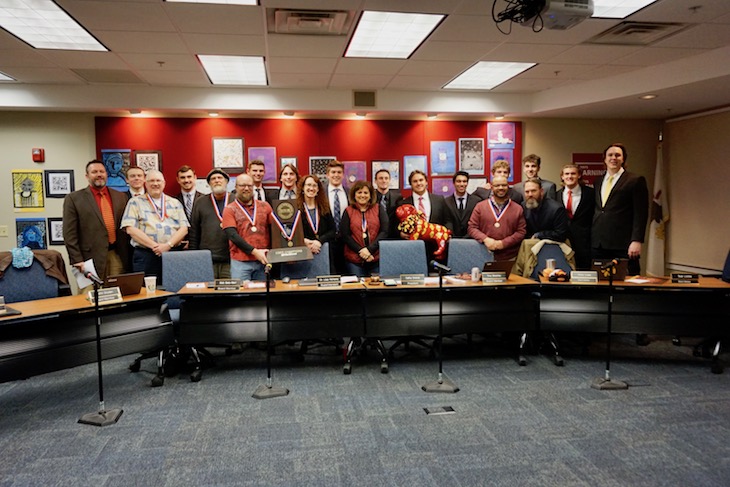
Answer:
[(347, 369), (717, 368), (384, 368), (559, 361), (196, 376), (135, 366), (158, 381), (677, 342), (522, 360)]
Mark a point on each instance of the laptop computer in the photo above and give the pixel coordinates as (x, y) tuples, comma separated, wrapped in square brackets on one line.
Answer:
[(499, 266), (130, 283), (620, 269)]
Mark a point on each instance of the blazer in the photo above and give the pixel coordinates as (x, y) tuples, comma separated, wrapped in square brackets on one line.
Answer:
[(579, 227), (85, 234), (458, 221), (623, 219), (547, 186), (438, 208), (547, 221), (180, 198), (393, 198)]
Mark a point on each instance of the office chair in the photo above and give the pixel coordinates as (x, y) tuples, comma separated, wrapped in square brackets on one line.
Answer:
[(304, 269), (467, 253), (179, 268), (27, 284), (404, 257)]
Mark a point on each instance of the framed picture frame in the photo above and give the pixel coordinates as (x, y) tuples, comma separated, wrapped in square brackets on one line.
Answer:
[(116, 162), (443, 157), (287, 161), (267, 155), (506, 155), (55, 230), (59, 183), (148, 159), (410, 164), (228, 153), (31, 233), (501, 135), (354, 171), (475, 183), (471, 155), (442, 186), (318, 166), (393, 167), (28, 190)]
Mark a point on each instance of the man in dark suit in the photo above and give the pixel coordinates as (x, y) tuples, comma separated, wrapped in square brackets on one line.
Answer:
[(188, 194), (337, 196), (135, 179), (91, 218), (621, 211), (531, 169), (388, 199), (545, 217), (579, 202), (460, 205)]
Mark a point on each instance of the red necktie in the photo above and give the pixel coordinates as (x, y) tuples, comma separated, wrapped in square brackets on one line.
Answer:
[(570, 204), (421, 208)]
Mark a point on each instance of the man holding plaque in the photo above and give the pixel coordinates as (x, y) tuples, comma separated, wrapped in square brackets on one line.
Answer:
[(246, 223), (206, 223)]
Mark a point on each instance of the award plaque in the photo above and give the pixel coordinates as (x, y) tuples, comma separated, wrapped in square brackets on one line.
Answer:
[(287, 236)]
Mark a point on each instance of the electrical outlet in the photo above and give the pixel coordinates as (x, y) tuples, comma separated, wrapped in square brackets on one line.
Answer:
[(3, 230)]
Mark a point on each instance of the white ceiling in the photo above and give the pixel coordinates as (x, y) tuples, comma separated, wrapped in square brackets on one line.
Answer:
[(152, 66)]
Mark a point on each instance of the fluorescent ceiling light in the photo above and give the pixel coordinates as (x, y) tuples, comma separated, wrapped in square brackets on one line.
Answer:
[(618, 9), (5, 77), (485, 75), (224, 2), (390, 34), (234, 70), (44, 25)]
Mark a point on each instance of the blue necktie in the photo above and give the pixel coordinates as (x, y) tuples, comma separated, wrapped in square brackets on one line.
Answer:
[(337, 215)]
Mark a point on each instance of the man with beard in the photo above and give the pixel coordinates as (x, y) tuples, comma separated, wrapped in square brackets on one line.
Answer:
[(156, 223), (91, 218), (206, 223), (498, 222), (545, 217), (246, 223)]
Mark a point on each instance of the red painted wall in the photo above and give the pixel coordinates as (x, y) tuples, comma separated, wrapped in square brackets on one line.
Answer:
[(189, 140)]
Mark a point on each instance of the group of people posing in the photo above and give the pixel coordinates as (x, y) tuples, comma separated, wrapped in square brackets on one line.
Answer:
[(130, 232)]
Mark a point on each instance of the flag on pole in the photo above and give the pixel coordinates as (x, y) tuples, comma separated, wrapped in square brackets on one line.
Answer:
[(659, 219)]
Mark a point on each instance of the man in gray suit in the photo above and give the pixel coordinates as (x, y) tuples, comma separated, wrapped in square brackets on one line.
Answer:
[(91, 218), (530, 170)]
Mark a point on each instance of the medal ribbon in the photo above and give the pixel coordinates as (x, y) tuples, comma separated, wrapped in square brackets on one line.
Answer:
[(288, 235), (215, 206), (160, 211), (364, 225), (495, 208), (314, 224), (250, 218)]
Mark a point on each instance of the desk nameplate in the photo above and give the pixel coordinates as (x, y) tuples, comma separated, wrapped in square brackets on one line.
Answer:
[(584, 276), (324, 282), (108, 295), (412, 279), (494, 277)]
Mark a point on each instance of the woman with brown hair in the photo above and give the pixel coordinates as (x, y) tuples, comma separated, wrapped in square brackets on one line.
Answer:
[(364, 224)]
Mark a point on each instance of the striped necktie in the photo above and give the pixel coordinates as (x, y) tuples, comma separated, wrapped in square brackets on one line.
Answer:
[(188, 205), (337, 216)]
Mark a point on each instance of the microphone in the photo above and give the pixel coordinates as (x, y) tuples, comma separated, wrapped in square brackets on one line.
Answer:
[(440, 267), (608, 265), (267, 268), (93, 278)]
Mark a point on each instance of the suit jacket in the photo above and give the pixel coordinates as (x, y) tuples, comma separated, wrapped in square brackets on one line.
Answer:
[(623, 219), (547, 221), (547, 186), (438, 208), (579, 227), (458, 221), (393, 198), (180, 198), (84, 232)]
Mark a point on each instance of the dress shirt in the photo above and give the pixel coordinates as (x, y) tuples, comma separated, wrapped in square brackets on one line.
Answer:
[(426, 204), (284, 196), (605, 190), (259, 193), (343, 198), (576, 198)]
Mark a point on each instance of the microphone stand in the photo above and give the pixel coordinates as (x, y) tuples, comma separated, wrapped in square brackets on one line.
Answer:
[(605, 383), (267, 391), (442, 384), (103, 417)]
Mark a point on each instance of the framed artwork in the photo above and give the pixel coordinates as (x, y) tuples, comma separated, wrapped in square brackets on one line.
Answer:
[(116, 162), (148, 159), (31, 233), (354, 171), (410, 164), (393, 167), (228, 152), (442, 186), (501, 135), (318, 166), (202, 186), (471, 155), (28, 190), (58, 183), (475, 183), (506, 155), (55, 231), (443, 157), (285, 161), (267, 155)]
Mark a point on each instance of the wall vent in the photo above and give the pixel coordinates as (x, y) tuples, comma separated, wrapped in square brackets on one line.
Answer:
[(363, 99), (637, 33), (309, 22)]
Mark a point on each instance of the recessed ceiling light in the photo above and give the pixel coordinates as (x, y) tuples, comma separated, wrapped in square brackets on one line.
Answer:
[(212, 114), (390, 34), (288, 114), (135, 112), (5, 77), (432, 115), (234, 70), (498, 116), (648, 97), (618, 9), (44, 25), (361, 114), (224, 2), (485, 75)]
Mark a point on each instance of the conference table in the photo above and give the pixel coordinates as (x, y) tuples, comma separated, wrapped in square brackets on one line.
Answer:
[(58, 333)]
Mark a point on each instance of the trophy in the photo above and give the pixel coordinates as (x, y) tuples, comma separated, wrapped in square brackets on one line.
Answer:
[(287, 237)]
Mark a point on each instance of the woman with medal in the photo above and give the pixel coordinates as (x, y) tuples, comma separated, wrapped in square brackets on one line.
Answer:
[(318, 224), (364, 224)]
